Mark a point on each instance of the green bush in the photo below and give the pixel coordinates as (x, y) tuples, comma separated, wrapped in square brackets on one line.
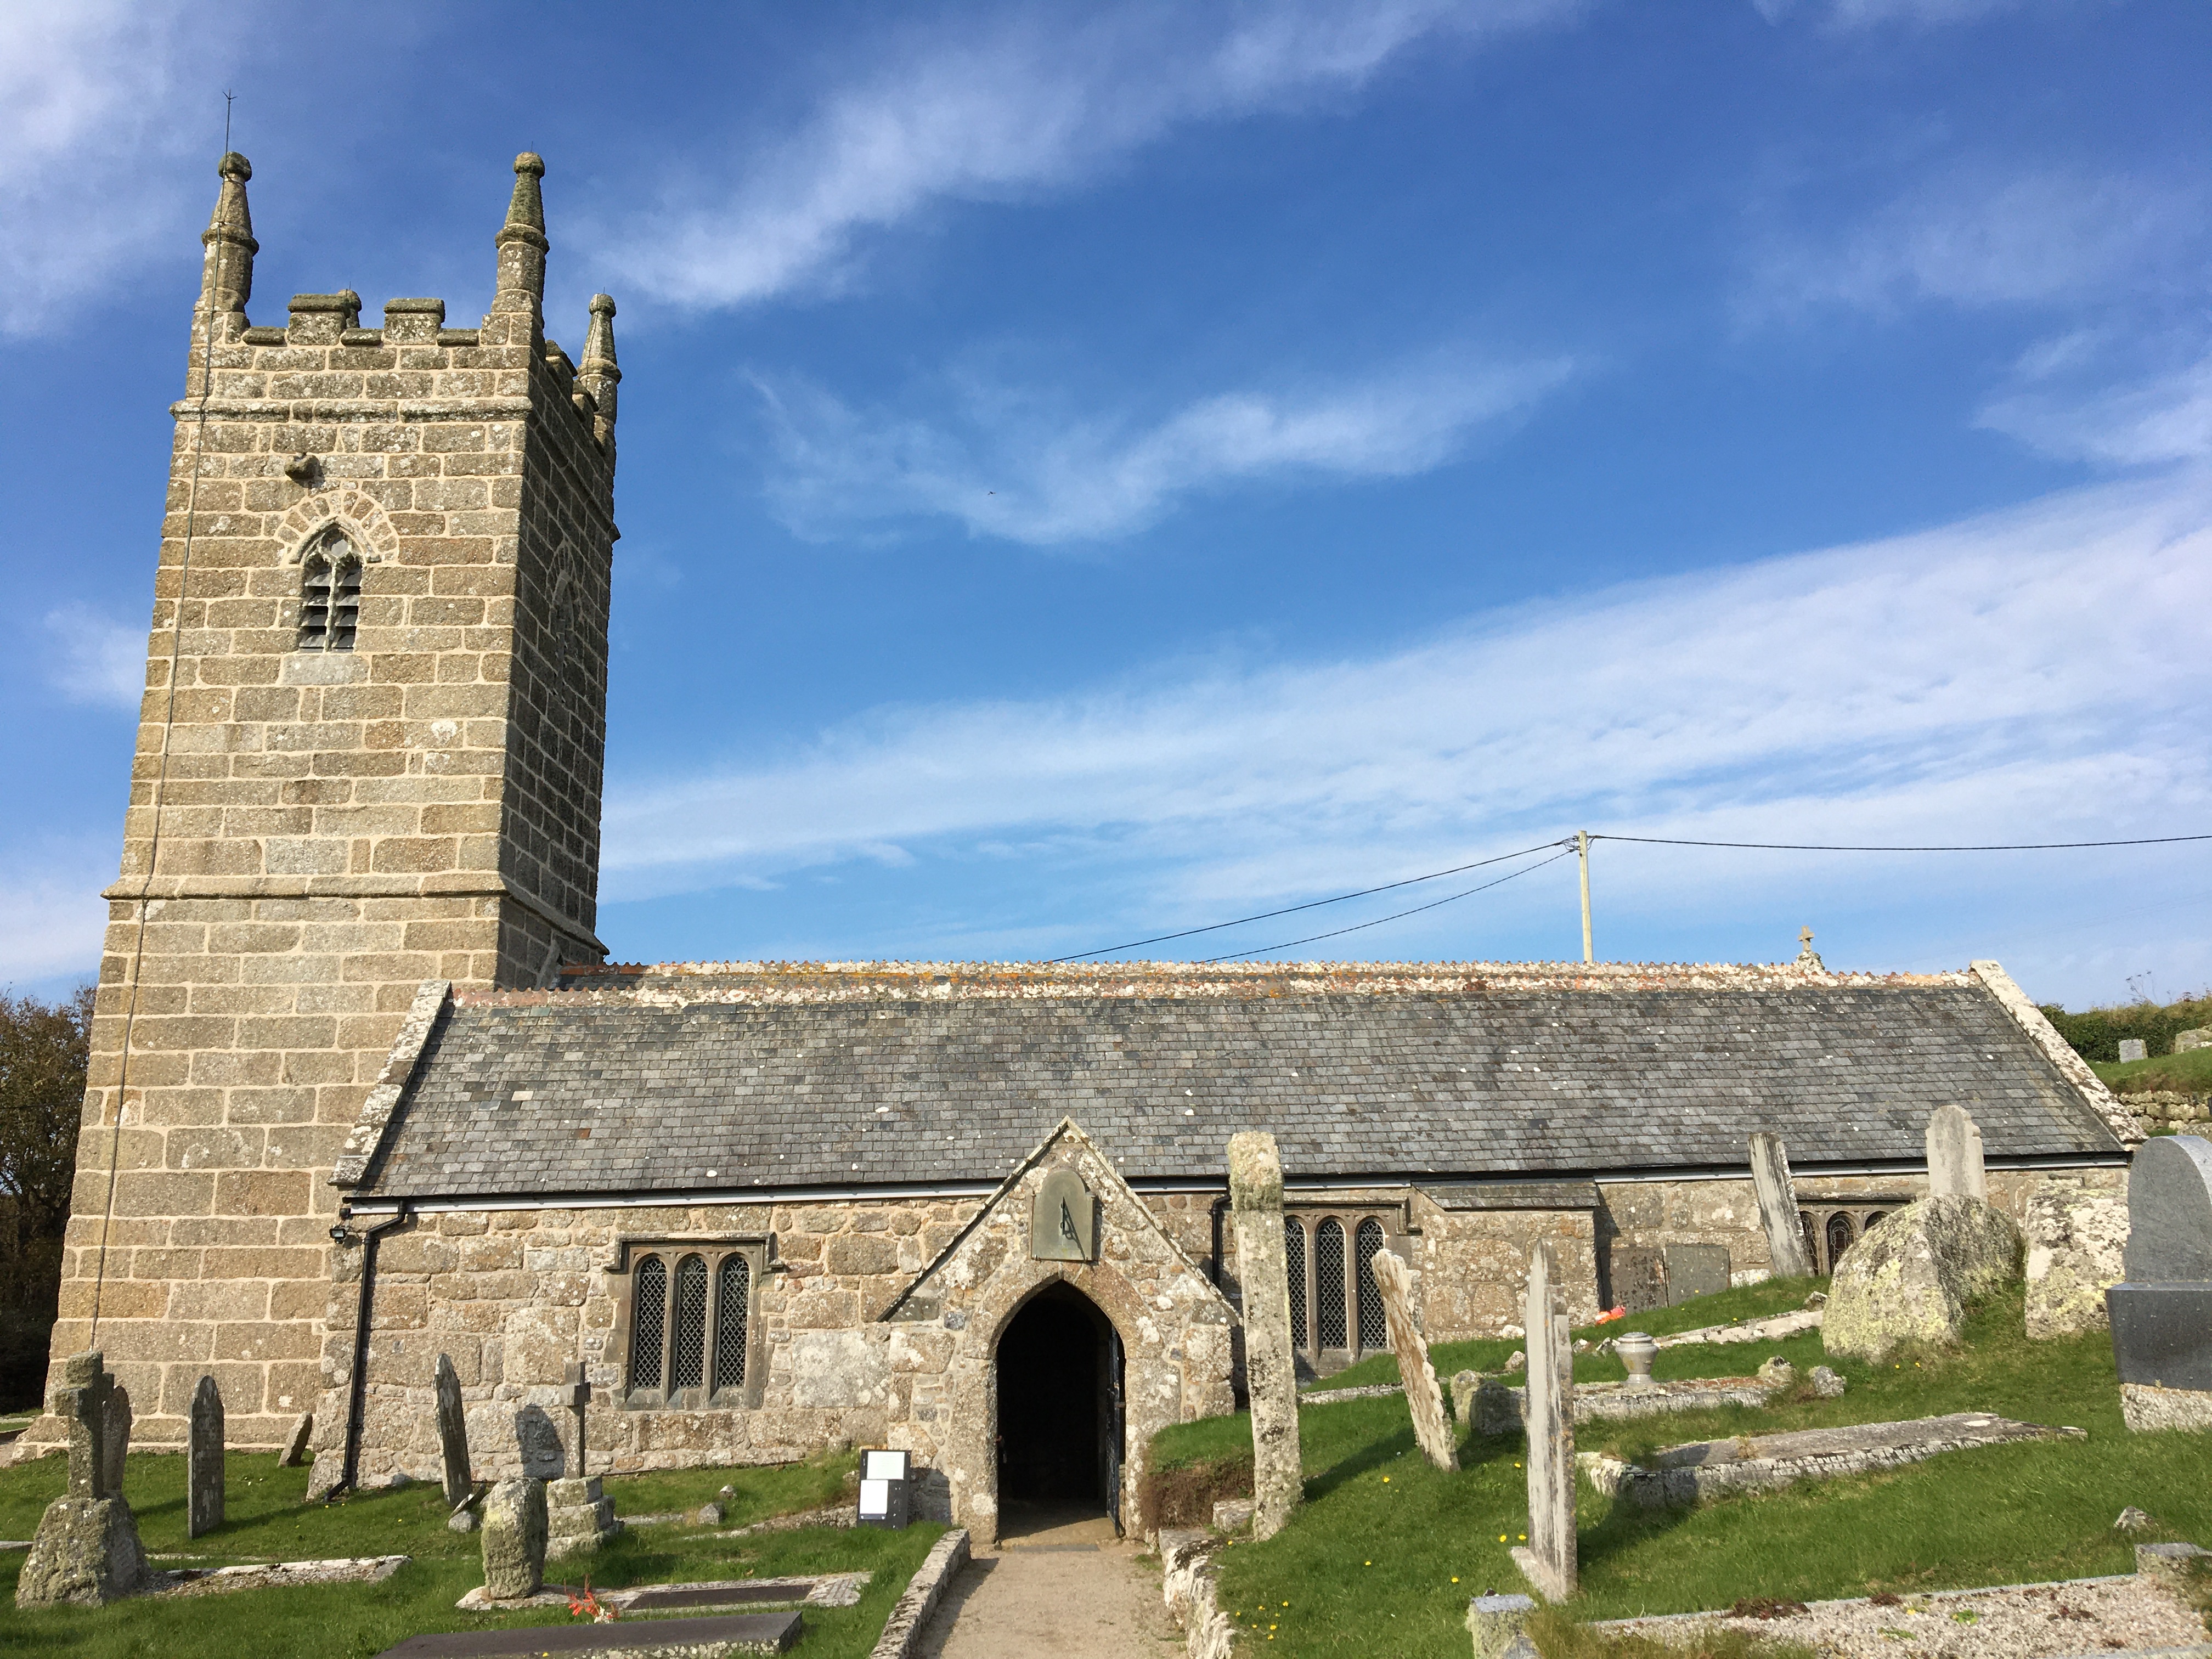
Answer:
[(2095, 1033)]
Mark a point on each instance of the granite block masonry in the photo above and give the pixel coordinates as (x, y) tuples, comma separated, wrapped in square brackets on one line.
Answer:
[(514, 1536), (1432, 1429), (1955, 1154), (1256, 1203), (86, 1552), (1548, 1560), (453, 1434), (1778, 1208), (2161, 1313), (204, 1450)]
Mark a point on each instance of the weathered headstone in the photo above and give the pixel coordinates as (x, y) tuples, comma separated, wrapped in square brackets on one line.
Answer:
[(1498, 1622), (453, 1435), (2132, 1048), (203, 1460), (1912, 1278), (537, 1443), (2161, 1314), (1548, 1560), (1637, 1275), (114, 1438), (1955, 1154), (1270, 1381), (1778, 1208), (514, 1539), (1695, 1270), (86, 1552), (296, 1447), (1432, 1429), (2076, 1239)]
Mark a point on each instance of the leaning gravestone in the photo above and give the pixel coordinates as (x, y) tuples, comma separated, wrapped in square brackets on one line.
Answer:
[(1548, 1559), (1778, 1208), (115, 1437), (1431, 1430), (1912, 1278), (296, 1446), (203, 1460), (1255, 1206), (514, 1539), (1955, 1154), (453, 1435), (2161, 1314), (86, 1553)]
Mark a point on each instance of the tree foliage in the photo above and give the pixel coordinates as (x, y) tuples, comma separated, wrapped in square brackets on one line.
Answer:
[(2095, 1033), (43, 1049)]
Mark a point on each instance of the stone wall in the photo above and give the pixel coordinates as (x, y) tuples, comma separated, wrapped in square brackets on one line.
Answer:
[(312, 834)]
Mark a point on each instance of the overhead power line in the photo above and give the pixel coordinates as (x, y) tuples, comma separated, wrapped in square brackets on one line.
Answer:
[(1566, 851), (1311, 904), (1807, 846)]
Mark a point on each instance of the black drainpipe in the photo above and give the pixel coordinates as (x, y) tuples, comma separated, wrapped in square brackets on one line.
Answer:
[(1220, 1209), (357, 1404)]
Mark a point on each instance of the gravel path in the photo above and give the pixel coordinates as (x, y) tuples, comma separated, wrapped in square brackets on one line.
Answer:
[(1070, 1591), (2089, 1616)]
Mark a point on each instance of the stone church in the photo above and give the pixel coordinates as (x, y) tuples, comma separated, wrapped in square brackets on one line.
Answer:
[(366, 1090)]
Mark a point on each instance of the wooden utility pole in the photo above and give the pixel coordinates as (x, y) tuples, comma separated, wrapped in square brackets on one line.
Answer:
[(1581, 848)]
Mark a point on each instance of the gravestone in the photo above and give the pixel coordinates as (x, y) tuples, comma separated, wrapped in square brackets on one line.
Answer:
[(86, 1552), (453, 1435), (1778, 1208), (537, 1441), (1271, 1378), (2076, 1238), (1547, 1560), (2132, 1048), (1695, 1270), (1955, 1154), (1498, 1622), (579, 1515), (1431, 1430), (514, 1539), (576, 1395), (1635, 1275), (203, 1460), (115, 1438), (296, 1447), (2161, 1313)]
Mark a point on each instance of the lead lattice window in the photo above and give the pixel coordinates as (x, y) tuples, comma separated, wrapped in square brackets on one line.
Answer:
[(689, 1322)]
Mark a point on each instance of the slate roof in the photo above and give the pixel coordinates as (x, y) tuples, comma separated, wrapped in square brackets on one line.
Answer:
[(635, 1082)]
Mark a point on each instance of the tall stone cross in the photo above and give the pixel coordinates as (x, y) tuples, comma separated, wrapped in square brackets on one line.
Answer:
[(81, 1402), (576, 1395), (1778, 1208), (1549, 1560), (1271, 1377)]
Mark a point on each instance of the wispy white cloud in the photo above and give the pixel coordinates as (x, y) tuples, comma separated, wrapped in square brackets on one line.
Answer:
[(100, 661), (1989, 676), (1975, 237), (1013, 464), (52, 916), (90, 97), (2161, 417), (1020, 101), (1871, 14)]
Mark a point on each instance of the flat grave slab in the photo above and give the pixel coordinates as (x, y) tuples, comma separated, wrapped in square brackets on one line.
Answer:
[(1706, 1468), (1501, 1410), (648, 1638), (835, 1590), (340, 1570)]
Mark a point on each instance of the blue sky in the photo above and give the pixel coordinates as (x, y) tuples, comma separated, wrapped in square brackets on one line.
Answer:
[(1091, 471)]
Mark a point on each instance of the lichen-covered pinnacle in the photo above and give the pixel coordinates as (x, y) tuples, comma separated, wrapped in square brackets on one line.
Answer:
[(227, 267)]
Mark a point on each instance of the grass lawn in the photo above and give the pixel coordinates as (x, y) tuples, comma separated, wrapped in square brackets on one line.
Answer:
[(270, 1520), (2188, 1074), (1386, 1551)]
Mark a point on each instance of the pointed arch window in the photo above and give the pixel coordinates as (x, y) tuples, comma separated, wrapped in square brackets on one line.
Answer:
[(329, 594), (1329, 1282), (1294, 1257), (648, 1320), (1374, 1330)]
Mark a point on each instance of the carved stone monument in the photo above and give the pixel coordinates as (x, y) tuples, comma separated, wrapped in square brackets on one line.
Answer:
[(1778, 1208), (1955, 1154), (297, 1443), (579, 1515), (1431, 1430), (1256, 1204), (115, 1438), (453, 1435), (2161, 1313), (514, 1539), (203, 1460), (86, 1551), (1548, 1559)]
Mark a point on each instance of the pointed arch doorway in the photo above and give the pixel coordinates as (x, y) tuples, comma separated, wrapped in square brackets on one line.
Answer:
[(1061, 1419)]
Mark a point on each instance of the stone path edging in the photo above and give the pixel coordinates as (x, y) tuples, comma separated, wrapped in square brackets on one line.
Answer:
[(1189, 1582), (923, 1592), (1370, 1391)]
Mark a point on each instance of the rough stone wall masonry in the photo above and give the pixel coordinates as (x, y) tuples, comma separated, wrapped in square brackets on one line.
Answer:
[(335, 827)]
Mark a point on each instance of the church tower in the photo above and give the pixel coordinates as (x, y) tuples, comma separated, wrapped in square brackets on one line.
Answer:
[(369, 754)]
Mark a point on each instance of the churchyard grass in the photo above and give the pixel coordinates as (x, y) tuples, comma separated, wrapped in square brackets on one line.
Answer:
[(270, 1520), (2188, 1074), (1387, 1550)]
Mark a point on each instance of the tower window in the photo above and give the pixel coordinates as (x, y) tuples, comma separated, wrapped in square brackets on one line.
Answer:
[(330, 596)]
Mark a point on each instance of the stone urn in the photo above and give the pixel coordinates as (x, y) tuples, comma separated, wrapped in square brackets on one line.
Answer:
[(1636, 1351)]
